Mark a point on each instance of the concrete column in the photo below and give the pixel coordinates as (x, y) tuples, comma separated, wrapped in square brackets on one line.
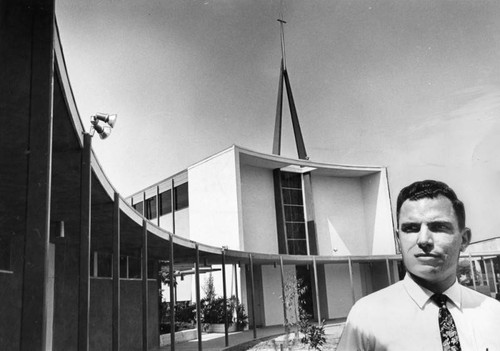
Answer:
[(144, 285), (388, 267), (172, 293), (252, 298), (285, 318), (198, 303), (352, 280), (116, 273), (318, 305), (224, 294), (85, 238)]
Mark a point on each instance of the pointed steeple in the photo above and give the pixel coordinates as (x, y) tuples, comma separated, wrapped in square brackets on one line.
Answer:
[(299, 141)]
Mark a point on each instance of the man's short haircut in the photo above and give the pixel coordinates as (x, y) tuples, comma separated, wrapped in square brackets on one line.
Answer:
[(432, 189)]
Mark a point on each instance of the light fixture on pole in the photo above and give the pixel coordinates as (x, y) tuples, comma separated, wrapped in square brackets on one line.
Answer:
[(102, 123)]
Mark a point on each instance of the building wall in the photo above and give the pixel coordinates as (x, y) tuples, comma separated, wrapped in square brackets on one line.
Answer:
[(166, 223), (213, 201), (379, 276), (366, 278), (340, 216), (258, 208), (492, 244), (66, 296), (338, 286), (273, 305), (11, 299), (378, 215), (130, 314), (181, 223)]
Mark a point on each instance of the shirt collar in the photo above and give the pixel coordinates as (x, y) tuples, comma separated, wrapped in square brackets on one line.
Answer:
[(454, 293), (421, 295)]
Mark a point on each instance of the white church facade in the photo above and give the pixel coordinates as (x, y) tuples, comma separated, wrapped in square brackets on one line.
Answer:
[(268, 204)]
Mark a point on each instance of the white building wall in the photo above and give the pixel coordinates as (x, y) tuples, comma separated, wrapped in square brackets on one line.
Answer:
[(492, 244), (273, 305), (258, 210), (166, 222), (338, 287), (378, 215), (339, 215), (181, 223), (182, 226), (213, 201), (185, 291)]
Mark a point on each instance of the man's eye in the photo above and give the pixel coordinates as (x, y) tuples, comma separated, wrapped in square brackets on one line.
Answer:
[(410, 228), (440, 227)]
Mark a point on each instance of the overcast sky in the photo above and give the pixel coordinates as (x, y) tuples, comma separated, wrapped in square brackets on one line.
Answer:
[(411, 85)]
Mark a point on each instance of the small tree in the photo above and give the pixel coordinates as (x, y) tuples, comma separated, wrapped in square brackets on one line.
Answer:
[(313, 335), (294, 290), (209, 288)]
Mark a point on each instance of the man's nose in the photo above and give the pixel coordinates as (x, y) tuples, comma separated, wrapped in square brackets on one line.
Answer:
[(424, 240)]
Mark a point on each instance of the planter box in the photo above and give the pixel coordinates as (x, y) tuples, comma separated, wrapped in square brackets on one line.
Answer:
[(180, 336), (219, 328)]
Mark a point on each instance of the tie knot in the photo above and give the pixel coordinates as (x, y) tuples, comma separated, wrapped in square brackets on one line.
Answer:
[(440, 299)]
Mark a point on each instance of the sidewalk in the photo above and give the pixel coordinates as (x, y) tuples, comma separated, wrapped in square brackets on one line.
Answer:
[(215, 341)]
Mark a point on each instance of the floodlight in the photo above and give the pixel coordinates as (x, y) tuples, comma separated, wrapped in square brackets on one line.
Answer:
[(102, 123), (107, 118), (101, 128)]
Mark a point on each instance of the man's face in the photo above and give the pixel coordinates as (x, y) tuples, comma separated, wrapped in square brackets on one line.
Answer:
[(430, 241)]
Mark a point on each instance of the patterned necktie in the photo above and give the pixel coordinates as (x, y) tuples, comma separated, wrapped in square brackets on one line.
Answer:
[(449, 334)]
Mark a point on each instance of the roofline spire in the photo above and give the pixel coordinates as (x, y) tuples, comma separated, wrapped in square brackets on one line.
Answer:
[(299, 141)]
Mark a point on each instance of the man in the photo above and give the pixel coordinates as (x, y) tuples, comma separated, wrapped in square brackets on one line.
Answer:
[(428, 310)]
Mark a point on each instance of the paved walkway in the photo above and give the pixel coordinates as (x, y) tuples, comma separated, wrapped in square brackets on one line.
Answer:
[(215, 341)]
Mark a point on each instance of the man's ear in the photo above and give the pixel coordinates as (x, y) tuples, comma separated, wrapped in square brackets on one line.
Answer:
[(466, 237)]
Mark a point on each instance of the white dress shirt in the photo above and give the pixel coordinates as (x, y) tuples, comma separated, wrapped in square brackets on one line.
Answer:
[(402, 317)]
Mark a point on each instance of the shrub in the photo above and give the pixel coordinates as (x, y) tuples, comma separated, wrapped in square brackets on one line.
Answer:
[(185, 312), (314, 336), (212, 311)]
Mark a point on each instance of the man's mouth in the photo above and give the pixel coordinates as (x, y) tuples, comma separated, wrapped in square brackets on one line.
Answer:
[(427, 255)]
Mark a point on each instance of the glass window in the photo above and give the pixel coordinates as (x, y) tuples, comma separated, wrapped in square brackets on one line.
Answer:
[(291, 180), (181, 196), (297, 247), (5, 248), (293, 207), (295, 230), (92, 271), (294, 213), (123, 267), (138, 207), (292, 196), (134, 267), (104, 264), (165, 202), (150, 212), (151, 270)]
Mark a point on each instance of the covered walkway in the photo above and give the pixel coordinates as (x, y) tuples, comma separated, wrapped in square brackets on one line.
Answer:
[(215, 341)]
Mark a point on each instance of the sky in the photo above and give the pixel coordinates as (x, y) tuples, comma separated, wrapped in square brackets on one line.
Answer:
[(410, 85)]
